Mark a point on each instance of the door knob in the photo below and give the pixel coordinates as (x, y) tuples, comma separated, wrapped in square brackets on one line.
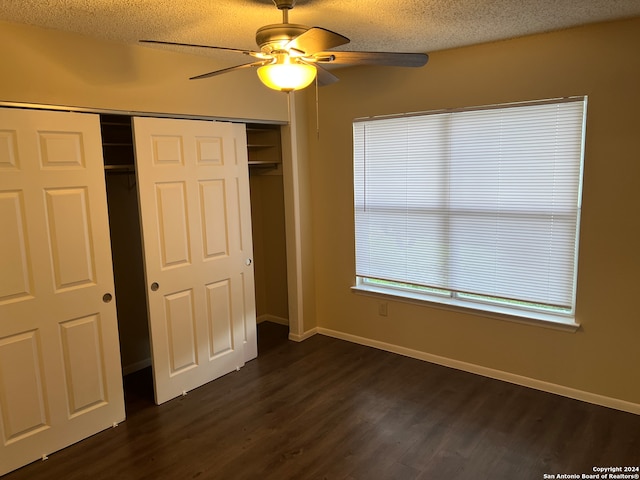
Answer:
[(155, 286), (248, 262), (107, 297)]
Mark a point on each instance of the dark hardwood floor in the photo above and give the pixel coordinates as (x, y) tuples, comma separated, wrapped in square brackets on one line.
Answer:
[(329, 409)]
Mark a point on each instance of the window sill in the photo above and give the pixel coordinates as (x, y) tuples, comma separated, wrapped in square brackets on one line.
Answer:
[(555, 322)]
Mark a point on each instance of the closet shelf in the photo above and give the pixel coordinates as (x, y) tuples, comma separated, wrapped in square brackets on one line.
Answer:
[(263, 145), (264, 163), (117, 141), (121, 123)]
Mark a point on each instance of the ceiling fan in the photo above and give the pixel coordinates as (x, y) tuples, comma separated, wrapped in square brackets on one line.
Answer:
[(291, 55)]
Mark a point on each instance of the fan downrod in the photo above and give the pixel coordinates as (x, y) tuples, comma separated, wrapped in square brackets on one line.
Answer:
[(284, 6)]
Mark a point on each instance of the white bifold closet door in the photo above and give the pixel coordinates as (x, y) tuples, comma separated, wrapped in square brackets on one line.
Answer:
[(196, 226), (60, 372)]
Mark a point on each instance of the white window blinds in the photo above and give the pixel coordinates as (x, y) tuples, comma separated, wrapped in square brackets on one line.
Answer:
[(482, 201)]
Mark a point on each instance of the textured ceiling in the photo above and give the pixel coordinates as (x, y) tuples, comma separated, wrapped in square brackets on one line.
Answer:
[(372, 25)]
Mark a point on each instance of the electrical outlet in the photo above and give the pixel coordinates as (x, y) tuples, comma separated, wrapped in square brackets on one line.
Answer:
[(382, 309)]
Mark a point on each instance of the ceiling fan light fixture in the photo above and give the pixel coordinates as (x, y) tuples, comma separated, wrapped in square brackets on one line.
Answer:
[(287, 74), (291, 55)]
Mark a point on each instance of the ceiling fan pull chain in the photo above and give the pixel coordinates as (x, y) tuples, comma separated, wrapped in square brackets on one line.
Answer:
[(317, 112)]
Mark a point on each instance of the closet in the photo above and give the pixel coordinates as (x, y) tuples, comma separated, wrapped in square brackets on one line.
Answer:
[(187, 264), (188, 270), (268, 231)]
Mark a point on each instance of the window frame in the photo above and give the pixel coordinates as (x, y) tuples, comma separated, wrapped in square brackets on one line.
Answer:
[(485, 305)]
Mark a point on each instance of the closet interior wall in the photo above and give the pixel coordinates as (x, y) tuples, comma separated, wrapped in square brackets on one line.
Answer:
[(126, 242), (268, 222)]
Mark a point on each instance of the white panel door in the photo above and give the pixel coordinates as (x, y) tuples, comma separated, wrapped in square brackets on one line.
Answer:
[(60, 372), (193, 183)]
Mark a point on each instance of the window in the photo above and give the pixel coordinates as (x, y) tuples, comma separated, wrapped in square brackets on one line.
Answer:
[(477, 207)]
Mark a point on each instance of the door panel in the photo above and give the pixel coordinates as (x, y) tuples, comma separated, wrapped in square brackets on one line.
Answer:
[(61, 149), (60, 373), (181, 331), (195, 215), (23, 400), (172, 220), (213, 207), (83, 364), (219, 317), (69, 237), (15, 283)]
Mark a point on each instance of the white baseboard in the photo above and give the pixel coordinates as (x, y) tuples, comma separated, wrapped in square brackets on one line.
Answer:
[(284, 321), (486, 372), (299, 338), (134, 367), (272, 318)]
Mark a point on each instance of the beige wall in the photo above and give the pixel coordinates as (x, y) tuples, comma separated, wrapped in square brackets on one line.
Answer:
[(50, 67), (600, 61)]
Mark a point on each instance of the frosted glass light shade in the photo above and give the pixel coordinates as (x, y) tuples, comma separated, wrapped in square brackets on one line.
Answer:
[(286, 75)]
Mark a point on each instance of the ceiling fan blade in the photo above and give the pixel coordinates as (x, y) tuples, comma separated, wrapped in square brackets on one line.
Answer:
[(316, 39), (325, 77), (230, 69), (160, 42), (391, 59)]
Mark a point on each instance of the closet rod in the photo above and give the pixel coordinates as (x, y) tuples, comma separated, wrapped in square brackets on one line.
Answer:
[(120, 168)]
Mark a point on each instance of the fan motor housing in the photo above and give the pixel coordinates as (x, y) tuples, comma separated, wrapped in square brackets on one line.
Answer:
[(284, 4), (274, 37)]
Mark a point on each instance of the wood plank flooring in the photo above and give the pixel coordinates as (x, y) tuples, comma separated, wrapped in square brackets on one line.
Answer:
[(329, 409)]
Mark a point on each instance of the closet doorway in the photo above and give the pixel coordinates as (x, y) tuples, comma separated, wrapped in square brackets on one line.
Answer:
[(264, 146), (126, 242), (268, 232), (194, 206)]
